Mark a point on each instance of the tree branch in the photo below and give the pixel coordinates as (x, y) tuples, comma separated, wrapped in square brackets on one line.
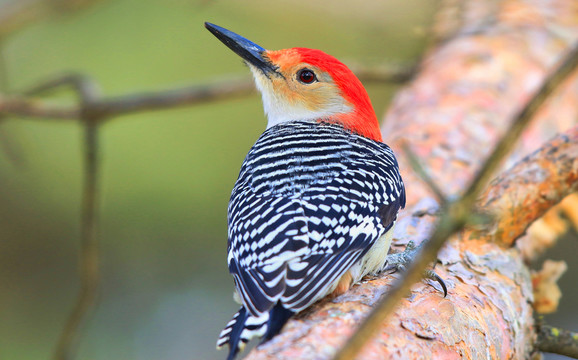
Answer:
[(18, 106), (523, 193), (385, 73), (8, 144), (557, 341), (89, 257), (125, 104), (566, 68), (222, 89), (219, 90), (455, 215)]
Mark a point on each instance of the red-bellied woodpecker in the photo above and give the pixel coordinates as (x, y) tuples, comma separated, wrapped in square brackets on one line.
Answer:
[(317, 196)]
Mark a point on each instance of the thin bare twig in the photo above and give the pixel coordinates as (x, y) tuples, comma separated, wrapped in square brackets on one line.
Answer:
[(6, 143), (4, 80), (557, 341), (225, 88), (80, 83), (89, 257), (124, 104), (385, 73), (455, 215), (17, 106), (422, 173), (218, 90)]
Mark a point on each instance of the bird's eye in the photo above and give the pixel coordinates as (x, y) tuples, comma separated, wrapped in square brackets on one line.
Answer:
[(306, 76)]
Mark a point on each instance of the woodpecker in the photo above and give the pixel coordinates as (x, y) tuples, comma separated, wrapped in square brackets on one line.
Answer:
[(317, 197)]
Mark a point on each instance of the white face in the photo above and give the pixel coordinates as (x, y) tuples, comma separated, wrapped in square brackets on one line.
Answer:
[(290, 98)]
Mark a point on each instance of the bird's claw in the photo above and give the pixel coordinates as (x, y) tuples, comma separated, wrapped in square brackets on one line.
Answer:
[(399, 261), (430, 274)]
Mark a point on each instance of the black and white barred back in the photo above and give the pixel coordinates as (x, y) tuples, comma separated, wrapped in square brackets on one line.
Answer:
[(310, 201)]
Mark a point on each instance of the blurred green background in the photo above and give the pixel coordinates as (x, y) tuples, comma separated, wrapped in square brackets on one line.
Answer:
[(166, 176)]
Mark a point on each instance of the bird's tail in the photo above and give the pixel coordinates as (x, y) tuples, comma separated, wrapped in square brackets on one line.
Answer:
[(244, 326)]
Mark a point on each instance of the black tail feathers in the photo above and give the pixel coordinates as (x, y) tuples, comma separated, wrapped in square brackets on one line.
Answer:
[(244, 326), (278, 316)]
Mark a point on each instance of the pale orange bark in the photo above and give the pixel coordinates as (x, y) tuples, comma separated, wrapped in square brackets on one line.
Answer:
[(452, 114), (525, 192)]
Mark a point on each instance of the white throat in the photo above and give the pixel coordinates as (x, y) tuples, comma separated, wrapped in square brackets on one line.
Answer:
[(279, 110)]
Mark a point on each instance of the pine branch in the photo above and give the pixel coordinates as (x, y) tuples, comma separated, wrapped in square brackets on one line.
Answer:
[(456, 214), (509, 194)]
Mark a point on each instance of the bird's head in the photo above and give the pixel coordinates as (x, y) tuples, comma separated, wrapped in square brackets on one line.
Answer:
[(305, 84)]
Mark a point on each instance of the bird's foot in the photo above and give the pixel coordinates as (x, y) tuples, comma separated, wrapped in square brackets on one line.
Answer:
[(399, 261)]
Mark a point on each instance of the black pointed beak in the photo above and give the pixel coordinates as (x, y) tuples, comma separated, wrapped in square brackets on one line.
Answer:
[(248, 50)]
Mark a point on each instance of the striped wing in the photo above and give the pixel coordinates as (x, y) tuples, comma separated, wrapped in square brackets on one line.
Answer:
[(305, 208)]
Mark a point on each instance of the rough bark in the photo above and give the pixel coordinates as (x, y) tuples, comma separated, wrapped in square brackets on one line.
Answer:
[(525, 192), (452, 114)]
